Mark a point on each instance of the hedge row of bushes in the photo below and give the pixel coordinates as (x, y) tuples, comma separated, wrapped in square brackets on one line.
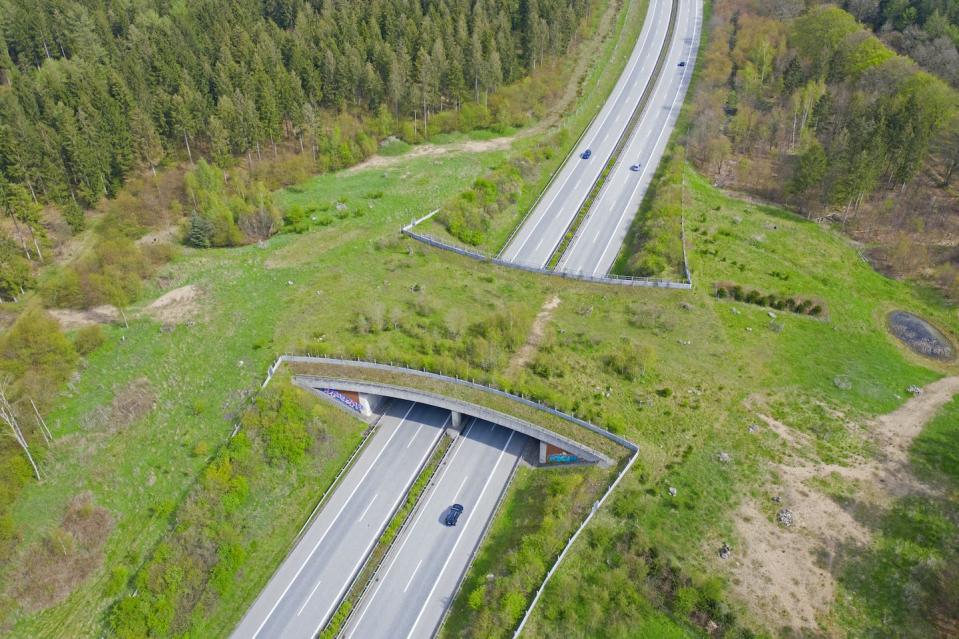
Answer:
[(770, 300)]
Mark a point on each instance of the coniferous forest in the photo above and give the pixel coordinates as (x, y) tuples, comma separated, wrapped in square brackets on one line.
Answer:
[(91, 90)]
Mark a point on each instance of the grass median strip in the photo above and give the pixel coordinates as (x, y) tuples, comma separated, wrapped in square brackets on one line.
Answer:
[(386, 540)]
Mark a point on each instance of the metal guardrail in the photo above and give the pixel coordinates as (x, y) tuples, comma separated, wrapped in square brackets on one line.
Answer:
[(600, 184), (307, 359), (618, 280), (569, 544), (572, 151)]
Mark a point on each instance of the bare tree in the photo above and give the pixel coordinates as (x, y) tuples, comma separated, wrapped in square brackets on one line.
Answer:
[(8, 415)]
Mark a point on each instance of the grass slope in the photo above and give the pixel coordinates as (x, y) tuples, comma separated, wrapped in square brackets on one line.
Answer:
[(668, 369)]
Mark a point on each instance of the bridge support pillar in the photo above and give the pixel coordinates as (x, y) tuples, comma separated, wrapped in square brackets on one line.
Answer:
[(456, 424)]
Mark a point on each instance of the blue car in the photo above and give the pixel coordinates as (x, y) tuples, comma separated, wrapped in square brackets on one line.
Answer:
[(634, 167), (586, 154), (453, 514)]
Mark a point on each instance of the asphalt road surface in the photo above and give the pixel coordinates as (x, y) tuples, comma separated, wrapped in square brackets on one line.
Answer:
[(419, 577), (310, 582), (543, 229), (596, 245)]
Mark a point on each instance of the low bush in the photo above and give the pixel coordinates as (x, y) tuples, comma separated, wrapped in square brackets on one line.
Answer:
[(724, 290)]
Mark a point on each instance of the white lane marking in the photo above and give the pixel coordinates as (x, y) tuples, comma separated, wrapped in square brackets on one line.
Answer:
[(418, 564), (620, 87), (312, 592), (414, 435), (399, 551), (662, 132), (369, 546), (460, 538), (571, 253), (367, 509), (340, 512), (462, 483)]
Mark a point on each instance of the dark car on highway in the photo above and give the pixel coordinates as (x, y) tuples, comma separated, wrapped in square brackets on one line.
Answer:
[(634, 167), (682, 63), (586, 154), (453, 514)]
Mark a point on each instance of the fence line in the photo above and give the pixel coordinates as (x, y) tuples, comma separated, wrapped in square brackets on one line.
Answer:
[(619, 280), (569, 544), (307, 359), (572, 149), (445, 378)]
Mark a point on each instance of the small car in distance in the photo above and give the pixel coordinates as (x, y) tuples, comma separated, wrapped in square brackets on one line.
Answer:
[(634, 167), (682, 63), (586, 154), (453, 514)]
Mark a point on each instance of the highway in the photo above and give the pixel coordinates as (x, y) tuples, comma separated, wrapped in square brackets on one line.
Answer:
[(418, 578), (305, 590), (543, 229), (597, 242)]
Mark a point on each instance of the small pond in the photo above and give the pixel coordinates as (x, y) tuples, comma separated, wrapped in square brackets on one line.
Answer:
[(921, 336)]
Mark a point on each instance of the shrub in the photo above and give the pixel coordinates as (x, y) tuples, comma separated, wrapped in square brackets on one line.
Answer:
[(88, 339)]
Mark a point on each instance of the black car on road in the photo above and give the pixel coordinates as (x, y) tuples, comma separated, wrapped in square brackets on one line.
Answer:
[(586, 154), (453, 514)]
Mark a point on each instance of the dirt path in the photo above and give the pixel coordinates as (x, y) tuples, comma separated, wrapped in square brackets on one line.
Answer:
[(433, 150), (786, 573), (527, 350)]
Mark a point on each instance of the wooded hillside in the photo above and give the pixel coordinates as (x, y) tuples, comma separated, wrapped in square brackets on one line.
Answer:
[(92, 89)]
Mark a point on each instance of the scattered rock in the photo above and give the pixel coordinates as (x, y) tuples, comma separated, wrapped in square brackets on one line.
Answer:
[(340, 206), (842, 382), (753, 428), (490, 577), (785, 517), (735, 310), (777, 498), (686, 306), (771, 314), (914, 390), (776, 327), (289, 282), (672, 491), (724, 551), (241, 363), (749, 329), (724, 457)]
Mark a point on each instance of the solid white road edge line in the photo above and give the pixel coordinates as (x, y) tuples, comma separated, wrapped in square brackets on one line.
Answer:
[(399, 550), (323, 536), (460, 538), (389, 515)]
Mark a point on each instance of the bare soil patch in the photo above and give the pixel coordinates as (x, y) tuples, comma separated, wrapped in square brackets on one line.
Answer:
[(176, 306), (72, 318), (432, 150), (129, 404), (66, 556), (527, 350), (785, 574)]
